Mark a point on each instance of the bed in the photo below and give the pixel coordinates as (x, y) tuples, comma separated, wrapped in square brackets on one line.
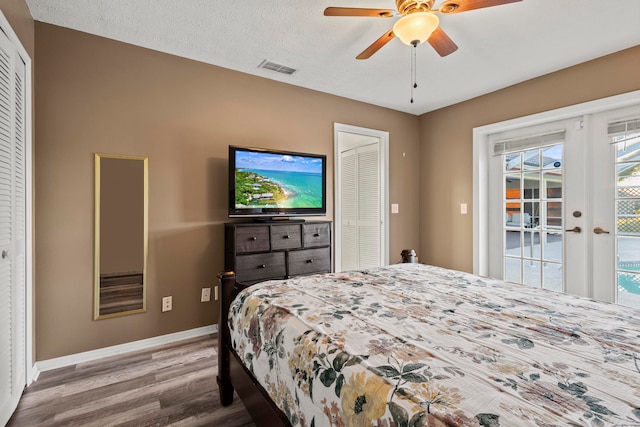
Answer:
[(416, 345)]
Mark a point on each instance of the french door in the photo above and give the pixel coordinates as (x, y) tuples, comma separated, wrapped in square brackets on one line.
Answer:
[(564, 206), (616, 206)]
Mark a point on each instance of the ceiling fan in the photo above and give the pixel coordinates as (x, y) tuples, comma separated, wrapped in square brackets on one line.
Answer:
[(419, 22)]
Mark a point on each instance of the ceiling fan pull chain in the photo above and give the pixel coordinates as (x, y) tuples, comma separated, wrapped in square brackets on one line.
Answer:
[(415, 66), (414, 83)]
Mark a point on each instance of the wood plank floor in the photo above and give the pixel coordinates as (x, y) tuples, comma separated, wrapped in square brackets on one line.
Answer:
[(170, 385)]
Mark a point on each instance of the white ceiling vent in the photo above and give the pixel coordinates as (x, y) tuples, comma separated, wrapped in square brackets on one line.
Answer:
[(276, 67)]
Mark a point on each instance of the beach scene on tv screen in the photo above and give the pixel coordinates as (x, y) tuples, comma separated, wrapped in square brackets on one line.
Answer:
[(269, 180)]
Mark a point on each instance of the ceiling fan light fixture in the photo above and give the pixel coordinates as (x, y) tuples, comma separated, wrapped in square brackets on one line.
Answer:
[(416, 27)]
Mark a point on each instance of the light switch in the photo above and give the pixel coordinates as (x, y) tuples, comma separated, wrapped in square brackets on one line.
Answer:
[(395, 208), (463, 208)]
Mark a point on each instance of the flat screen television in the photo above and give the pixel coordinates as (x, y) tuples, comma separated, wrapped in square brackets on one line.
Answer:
[(276, 184)]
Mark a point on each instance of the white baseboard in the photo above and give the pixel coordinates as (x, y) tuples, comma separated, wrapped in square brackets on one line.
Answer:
[(72, 359)]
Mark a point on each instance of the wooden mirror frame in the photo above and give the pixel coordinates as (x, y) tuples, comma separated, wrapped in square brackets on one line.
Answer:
[(122, 284)]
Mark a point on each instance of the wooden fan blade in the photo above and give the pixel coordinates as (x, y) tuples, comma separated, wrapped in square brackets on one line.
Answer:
[(376, 45), (441, 42), (354, 11), (457, 6)]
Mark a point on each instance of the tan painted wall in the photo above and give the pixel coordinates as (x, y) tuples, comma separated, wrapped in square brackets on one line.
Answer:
[(99, 95), (446, 137)]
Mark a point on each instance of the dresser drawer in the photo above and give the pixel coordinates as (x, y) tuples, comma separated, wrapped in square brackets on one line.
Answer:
[(316, 235), (252, 239), (309, 261), (285, 237), (260, 267)]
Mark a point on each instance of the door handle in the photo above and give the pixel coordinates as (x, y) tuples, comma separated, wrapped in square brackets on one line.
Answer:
[(599, 230), (575, 229)]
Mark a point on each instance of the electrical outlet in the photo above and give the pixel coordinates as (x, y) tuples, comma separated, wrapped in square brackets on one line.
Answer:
[(206, 295), (167, 304), (215, 289)]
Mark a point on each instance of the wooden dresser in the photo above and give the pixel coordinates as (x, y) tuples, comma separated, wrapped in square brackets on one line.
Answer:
[(277, 250)]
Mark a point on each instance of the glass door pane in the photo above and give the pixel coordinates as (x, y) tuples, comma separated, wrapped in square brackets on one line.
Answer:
[(628, 217), (532, 205)]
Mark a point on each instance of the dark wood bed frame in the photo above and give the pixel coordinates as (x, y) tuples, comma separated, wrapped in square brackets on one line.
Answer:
[(232, 374)]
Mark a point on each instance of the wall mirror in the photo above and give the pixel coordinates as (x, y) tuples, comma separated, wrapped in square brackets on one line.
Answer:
[(121, 229)]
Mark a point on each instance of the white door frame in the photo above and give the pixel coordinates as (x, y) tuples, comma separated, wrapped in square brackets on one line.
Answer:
[(481, 167), (363, 135)]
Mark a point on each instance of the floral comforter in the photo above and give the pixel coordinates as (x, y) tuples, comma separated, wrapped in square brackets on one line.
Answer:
[(413, 345)]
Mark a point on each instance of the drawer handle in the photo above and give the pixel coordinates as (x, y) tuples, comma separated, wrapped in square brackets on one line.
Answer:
[(262, 266), (316, 235), (286, 236), (310, 261), (253, 238)]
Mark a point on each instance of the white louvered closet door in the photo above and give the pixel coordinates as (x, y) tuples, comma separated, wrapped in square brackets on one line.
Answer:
[(349, 210), (360, 207), (12, 228)]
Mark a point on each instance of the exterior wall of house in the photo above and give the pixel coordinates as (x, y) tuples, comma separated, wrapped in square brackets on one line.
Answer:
[(446, 150), (98, 95)]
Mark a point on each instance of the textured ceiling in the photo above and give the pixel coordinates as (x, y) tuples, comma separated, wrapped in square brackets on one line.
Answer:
[(498, 46)]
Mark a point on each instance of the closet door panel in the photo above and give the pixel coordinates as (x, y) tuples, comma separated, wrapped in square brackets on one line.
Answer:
[(18, 260), (12, 227), (7, 350)]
